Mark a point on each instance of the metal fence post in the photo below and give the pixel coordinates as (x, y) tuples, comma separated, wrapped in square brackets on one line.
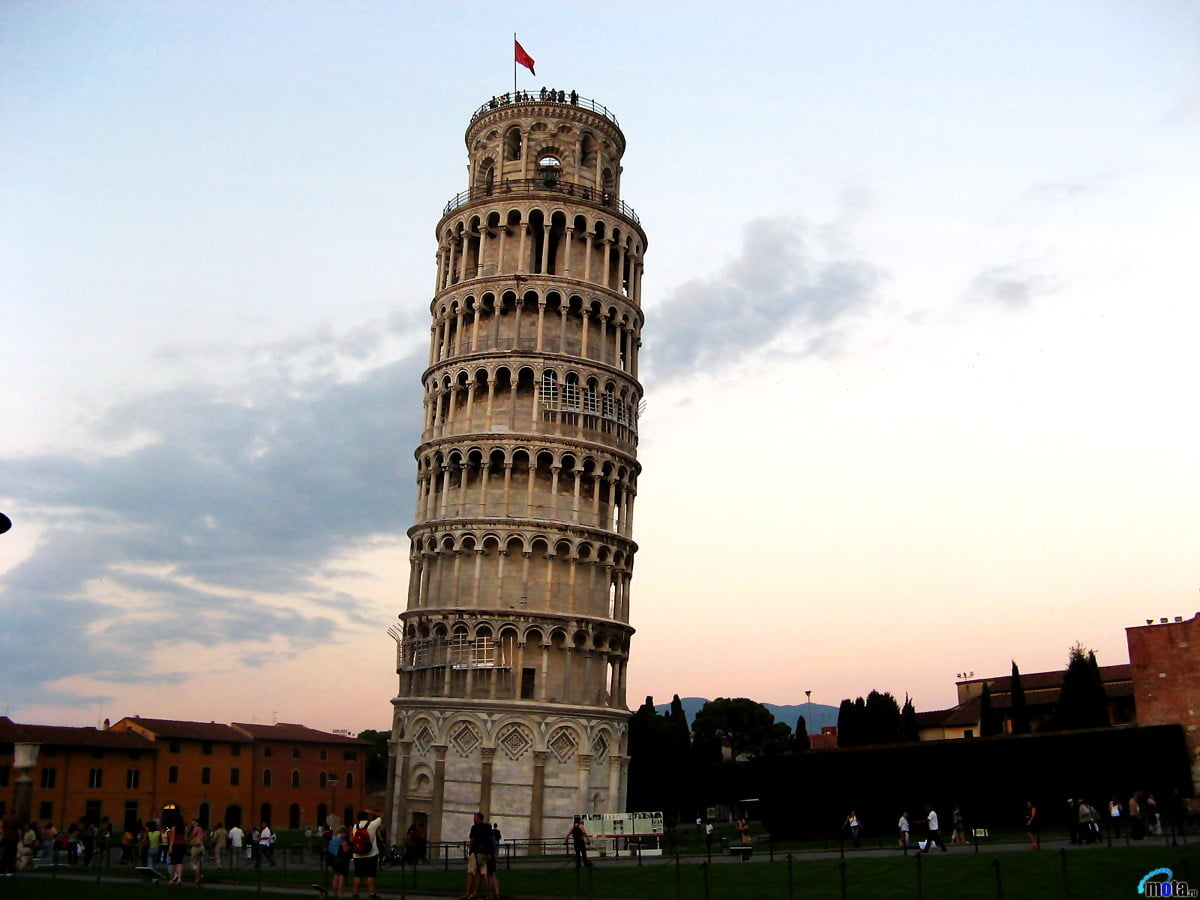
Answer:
[(1065, 875), (999, 885)]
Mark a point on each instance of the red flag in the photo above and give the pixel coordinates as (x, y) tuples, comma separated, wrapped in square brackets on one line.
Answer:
[(522, 57)]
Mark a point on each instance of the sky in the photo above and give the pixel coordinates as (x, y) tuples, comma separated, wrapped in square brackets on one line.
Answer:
[(921, 298)]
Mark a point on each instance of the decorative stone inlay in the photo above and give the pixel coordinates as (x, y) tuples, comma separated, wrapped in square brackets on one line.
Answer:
[(600, 747), (423, 739), (465, 738), (563, 744), (515, 741)]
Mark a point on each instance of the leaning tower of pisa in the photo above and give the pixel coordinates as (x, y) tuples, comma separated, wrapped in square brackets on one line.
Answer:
[(512, 649)]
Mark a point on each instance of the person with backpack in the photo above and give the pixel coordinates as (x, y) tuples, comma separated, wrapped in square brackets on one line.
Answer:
[(365, 850), (339, 860), (479, 852)]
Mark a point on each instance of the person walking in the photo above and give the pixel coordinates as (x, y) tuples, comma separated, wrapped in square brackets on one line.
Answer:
[(1033, 826), (579, 838), (853, 826), (935, 834), (479, 851), (494, 861), (266, 844), (196, 835), (237, 838), (903, 828)]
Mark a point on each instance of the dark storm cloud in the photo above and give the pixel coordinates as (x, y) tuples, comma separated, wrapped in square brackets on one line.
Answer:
[(778, 284), (1013, 286), (239, 492)]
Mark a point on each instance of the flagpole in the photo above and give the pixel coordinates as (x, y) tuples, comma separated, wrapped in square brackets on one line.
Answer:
[(514, 65)]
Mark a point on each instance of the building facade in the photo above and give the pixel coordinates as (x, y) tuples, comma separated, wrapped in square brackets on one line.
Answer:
[(237, 774), (1165, 668), (513, 647)]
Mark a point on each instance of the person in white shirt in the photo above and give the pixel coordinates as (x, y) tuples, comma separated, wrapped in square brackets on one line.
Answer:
[(935, 835), (366, 863), (904, 829), (266, 844), (237, 839)]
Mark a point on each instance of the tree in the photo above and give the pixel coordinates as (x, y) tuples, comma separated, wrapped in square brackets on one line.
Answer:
[(1082, 702), (1020, 710), (746, 727), (908, 721), (377, 758), (883, 718), (802, 741), (875, 720), (646, 745), (987, 718)]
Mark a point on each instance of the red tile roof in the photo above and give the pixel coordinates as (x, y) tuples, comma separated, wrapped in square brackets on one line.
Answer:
[(295, 734), (67, 736), (173, 729)]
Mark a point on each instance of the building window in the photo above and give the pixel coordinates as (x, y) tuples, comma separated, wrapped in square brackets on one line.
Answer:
[(4, 770), (323, 780), (324, 754), (349, 779), (173, 775), (295, 778), (206, 748), (267, 752), (295, 753), (132, 777), (235, 750), (350, 755), (95, 778), (235, 777), (46, 810), (174, 746), (266, 777), (206, 775), (48, 777)]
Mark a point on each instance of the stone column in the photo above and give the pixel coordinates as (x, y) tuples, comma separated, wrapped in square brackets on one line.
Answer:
[(537, 797), (614, 784), (582, 780), (439, 793), (400, 754), (488, 755)]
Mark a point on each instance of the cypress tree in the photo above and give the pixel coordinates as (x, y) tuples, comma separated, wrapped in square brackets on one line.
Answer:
[(802, 741), (1082, 702), (1020, 711), (908, 721)]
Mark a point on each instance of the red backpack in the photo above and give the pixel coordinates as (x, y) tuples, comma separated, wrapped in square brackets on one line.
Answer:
[(360, 842)]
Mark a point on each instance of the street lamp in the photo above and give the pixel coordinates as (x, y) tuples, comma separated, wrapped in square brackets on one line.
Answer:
[(808, 711), (331, 818), (25, 757)]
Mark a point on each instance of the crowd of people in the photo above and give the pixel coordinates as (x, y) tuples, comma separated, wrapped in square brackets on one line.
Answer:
[(529, 97), (170, 843)]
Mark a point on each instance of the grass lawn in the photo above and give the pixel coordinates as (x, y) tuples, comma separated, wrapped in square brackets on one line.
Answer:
[(1095, 872)]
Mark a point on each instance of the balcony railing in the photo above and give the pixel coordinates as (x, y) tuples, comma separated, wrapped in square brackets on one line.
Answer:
[(560, 98), (528, 186)]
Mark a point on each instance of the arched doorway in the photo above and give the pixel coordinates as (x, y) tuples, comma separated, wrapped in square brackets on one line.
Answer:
[(233, 815), (294, 816)]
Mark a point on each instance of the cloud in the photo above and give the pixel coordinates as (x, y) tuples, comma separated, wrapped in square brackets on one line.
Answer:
[(1012, 286), (783, 281), (214, 530)]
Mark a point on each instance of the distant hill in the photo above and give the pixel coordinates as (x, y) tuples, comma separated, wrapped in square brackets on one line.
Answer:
[(787, 714)]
